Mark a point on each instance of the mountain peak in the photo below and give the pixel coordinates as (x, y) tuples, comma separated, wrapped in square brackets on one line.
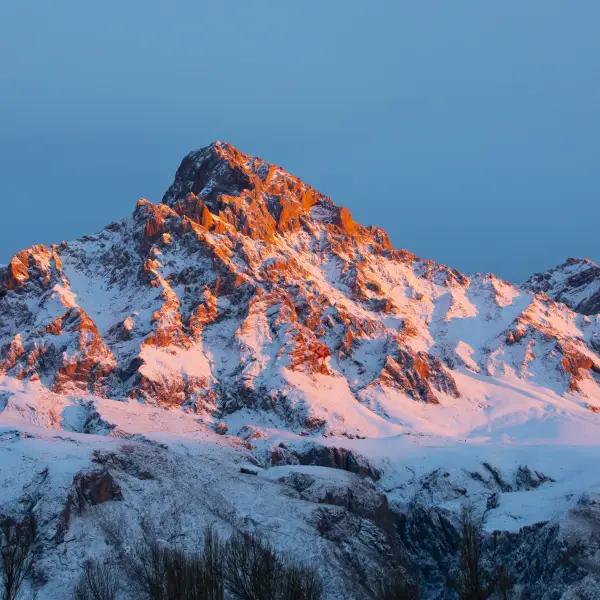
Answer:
[(222, 186), (576, 283), (218, 168), (586, 262)]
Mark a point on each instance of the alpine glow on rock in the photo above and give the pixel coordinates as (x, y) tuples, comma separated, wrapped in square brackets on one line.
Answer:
[(248, 322)]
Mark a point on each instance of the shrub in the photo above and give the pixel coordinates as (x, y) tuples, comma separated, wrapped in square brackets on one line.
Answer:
[(396, 587), (160, 572), (253, 571), (98, 581), (301, 583), (245, 567), (16, 561)]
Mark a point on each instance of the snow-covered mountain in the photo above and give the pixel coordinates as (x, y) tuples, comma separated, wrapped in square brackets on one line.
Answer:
[(576, 283), (248, 319), (248, 289)]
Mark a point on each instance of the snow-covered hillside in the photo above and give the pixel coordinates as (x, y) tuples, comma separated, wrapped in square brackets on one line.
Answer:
[(249, 320)]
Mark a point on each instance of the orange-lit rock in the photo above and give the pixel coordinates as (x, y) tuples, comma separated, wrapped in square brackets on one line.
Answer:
[(38, 264), (418, 375), (575, 364)]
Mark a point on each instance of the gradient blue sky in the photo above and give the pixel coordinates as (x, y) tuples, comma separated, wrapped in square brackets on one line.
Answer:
[(470, 130)]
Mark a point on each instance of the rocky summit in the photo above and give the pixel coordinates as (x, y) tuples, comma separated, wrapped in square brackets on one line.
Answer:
[(576, 283), (248, 322)]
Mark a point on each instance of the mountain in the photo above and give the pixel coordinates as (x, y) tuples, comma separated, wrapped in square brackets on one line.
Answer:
[(576, 283), (247, 321), (248, 289)]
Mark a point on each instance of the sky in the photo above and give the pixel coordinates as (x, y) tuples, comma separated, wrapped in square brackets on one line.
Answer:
[(469, 130)]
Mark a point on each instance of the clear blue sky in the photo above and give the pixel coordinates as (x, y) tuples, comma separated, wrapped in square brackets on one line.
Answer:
[(470, 130)]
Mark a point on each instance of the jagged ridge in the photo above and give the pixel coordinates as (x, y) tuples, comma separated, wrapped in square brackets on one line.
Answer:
[(576, 283), (247, 288)]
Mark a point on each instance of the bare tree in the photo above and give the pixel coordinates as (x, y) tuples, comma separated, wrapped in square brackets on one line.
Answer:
[(246, 567), (251, 569), (396, 587), (98, 581), (183, 576), (160, 572), (213, 558), (471, 577), (301, 583), (16, 561), (145, 567), (254, 571)]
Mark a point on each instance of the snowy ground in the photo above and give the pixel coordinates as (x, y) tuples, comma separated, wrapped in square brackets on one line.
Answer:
[(538, 465)]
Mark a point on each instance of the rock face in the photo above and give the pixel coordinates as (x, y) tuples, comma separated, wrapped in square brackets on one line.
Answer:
[(247, 288), (576, 283), (323, 456), (88, 489)]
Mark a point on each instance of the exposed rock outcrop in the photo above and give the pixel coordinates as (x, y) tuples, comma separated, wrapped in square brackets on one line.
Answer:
[(576, 283)]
